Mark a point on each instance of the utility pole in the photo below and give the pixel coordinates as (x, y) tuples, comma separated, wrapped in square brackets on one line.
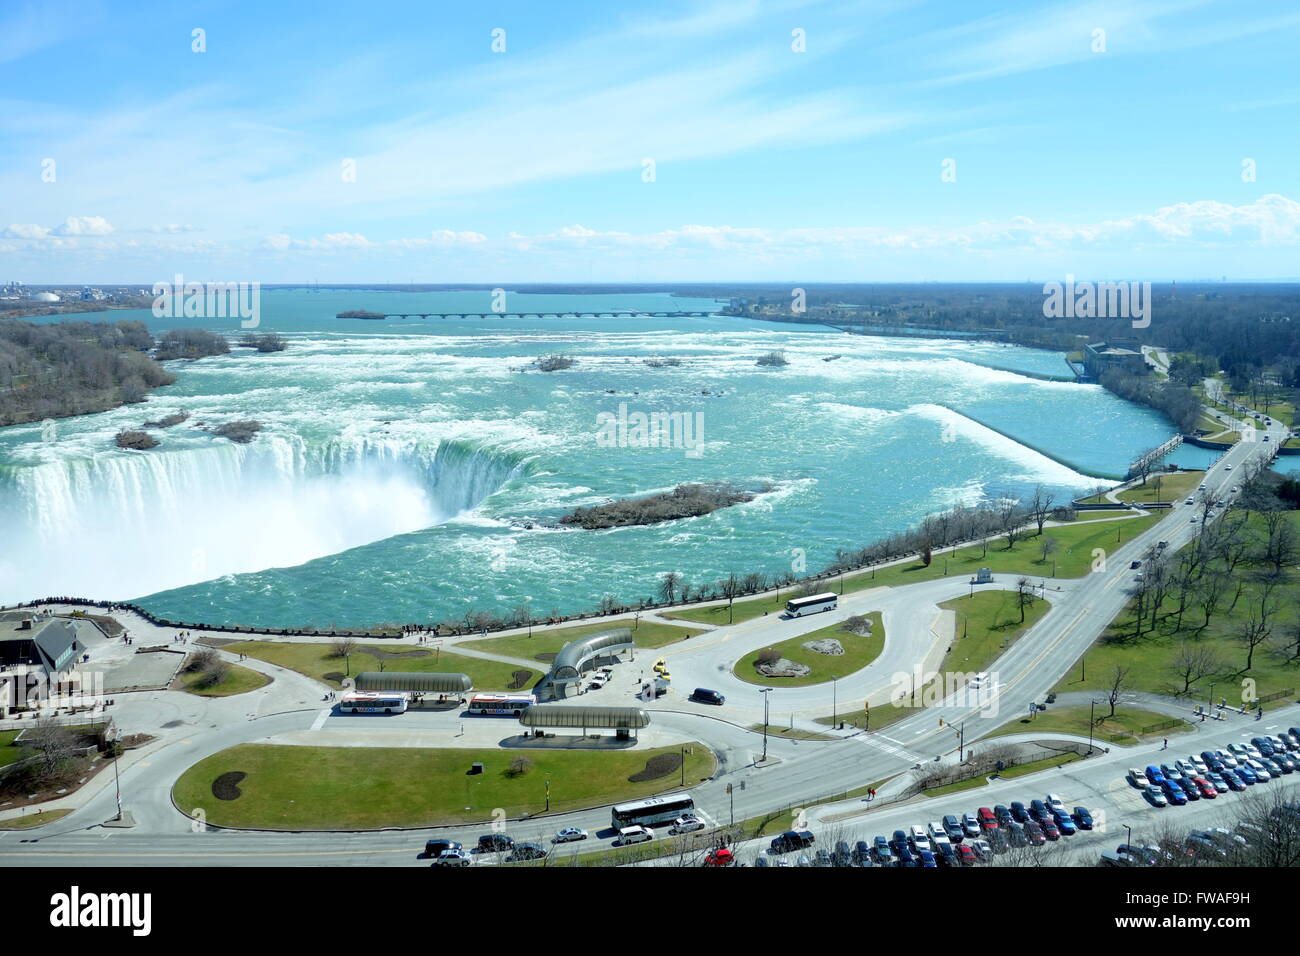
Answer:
[(1092, 705), (117, 780), (834, 699), (765, 691)]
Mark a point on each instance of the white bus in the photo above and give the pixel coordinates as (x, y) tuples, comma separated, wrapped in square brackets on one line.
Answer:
[(382, 702), (506, 705), (798, 607), (653, 810)]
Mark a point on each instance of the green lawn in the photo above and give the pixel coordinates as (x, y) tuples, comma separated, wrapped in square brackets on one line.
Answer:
[(1153, 658), (315, 661), (238, 680), (1072, 558), (1158, 488), (1082, 516), (795, 733), (648, 634), (858, 653), (1047, 763), (987, 624), (957, 787), (368, 788), (8, 752), (1124, 728), (30, 821)]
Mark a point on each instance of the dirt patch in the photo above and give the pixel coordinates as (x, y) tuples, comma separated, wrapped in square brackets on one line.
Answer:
[(826, 646), (660, 765), (226, 787), (132, 741), (386, 655), (783, 667), (519, 679), (545, 658)]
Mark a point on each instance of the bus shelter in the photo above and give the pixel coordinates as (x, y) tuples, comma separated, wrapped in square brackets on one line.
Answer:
[(624, 721)]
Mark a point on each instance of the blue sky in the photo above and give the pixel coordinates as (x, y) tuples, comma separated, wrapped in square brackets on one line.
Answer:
[(1112, 154)]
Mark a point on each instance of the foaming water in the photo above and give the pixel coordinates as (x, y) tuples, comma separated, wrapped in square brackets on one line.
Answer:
[(415, 470)]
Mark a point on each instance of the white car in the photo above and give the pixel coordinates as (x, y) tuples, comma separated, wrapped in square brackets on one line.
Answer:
[(569, 834), (1054, 802), (983, 850), (970, 824), (1138, 778), (634, 834), (1190, 501), (1261, 771), (920, 839), (453, 858), (685, 825), (1199, 763)]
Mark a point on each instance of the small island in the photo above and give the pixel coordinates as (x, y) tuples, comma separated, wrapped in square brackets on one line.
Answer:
[(135, 440), (684, 501), (359, 314)]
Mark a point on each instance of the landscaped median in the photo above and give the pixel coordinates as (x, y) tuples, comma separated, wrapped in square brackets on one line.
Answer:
[(543, 645), (859, 650), (330, 663), (275, 787), (1129, 725), (1070, 556)]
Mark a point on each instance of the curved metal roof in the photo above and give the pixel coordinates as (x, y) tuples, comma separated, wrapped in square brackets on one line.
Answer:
[(567, 715), (568, 662), (417, 681)]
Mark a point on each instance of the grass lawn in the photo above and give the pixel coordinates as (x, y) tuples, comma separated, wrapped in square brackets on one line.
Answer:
[(1158, 488), (957, 787), (1082, 516), (648, 634), (8, 752), (791, 734), (1124, 728), (238, 680), (858, 653), (1072, 558), (367, 788), (1047, 763), (315, 661), (30, 821), (990, 621)]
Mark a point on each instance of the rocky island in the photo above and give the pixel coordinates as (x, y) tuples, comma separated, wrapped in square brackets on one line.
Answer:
[(684, 501)]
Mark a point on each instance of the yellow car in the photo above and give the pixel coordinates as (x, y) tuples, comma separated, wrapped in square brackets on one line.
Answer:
[(660, 666)]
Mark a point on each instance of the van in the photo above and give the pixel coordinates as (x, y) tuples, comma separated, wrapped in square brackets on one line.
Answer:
[(636, 834), (705, 696)]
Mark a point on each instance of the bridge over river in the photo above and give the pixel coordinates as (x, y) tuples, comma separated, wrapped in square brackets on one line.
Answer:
[(607, 313)]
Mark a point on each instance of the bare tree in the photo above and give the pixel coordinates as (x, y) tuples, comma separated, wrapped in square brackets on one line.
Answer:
[(1194, 661), (1040, 506), (668, 585), (1117, 684)]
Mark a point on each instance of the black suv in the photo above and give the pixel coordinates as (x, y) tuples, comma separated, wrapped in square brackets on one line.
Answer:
[(705, 696), (792, 840), (491, 842), (526, 851), (435, 848)]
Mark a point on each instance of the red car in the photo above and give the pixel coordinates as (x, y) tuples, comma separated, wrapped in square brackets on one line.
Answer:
[(988, 820), (1206, 788), (965, 854), (1050, 830), (1034, 833), (720, 857)]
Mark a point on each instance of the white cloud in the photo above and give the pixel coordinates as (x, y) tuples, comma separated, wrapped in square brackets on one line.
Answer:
[(84, 226)]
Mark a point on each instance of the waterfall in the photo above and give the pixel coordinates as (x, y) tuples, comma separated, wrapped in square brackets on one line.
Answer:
[(121, 524)]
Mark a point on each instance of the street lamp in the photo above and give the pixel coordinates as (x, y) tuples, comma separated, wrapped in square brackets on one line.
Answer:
[(117, 780), (1130, 834), (1092, 704), (834, 699), (765, 691)]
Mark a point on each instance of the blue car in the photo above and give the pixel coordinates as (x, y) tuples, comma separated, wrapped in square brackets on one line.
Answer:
[(1155, 775), (1247, 775), (1082, 818), (927, 859), (1175, 794), (1232, 780), (1064, 823), (1212, 761)]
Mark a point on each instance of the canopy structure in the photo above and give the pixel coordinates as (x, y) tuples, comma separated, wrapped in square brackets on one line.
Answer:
[(568, 716), (575, 656), (417, 682)]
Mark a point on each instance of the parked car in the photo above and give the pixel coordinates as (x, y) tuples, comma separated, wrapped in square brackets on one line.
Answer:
[(569, 834), (862, 853), (1038, 810), (1175, 794), (927, 859), (1034, 833), (822, 858), (437, 846), (919, 839), (452, 858), (987, 820), (1137, 778), (965, 855), (1246, 774), (686, 824), (494, 842), (1082, 818), (1065, 823), (1156, 796), (1018, 811), (1261, 772), (883, 854), (634, 834), (1001, 812), (1207, 789), (843, 855), (983, 849), (1232, 780), (1155, 776), (1217, 782), (792, 840), (723, 856), (526, 851), (953, 828)]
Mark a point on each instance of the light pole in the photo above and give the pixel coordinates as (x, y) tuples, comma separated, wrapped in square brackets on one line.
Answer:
[(1130, 834), (1092, 705), (834, 699), (117, 780), (765, 691)]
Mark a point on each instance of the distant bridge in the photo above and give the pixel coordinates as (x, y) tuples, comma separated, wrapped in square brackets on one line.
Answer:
[(612, 314)]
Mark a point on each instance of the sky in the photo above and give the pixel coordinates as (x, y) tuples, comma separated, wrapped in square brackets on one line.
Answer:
[(677, 141)]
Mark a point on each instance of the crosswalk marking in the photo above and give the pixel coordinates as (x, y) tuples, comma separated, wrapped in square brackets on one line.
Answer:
[(888, 745), (320, 719)]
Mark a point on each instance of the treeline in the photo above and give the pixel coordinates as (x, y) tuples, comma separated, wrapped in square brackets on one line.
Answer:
[(73, 368), (684, 501), (1179, 404), (190, 344)]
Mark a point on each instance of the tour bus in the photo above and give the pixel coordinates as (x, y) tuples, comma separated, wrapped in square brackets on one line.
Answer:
[(383, 702), (505, 705), (798, 607), (653, 810)]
